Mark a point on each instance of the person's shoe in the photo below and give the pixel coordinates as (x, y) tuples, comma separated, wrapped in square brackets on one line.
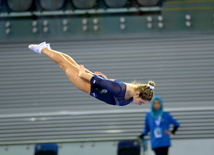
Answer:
[(38, 48), (48, 45)]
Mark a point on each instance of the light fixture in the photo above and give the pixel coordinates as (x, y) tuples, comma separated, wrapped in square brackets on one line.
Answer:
[(45, 23), (7, 31), (84, 21), (65, 29), (95, 21), (149, 18), (188, 23), (45, 29), (122, 26), (34, 29), (64, 22), (34, 23), (84, 27), (160, 25), (95, 27), (160, 18), (122, 19), (149, 25), (7, 27), (188, 17), (7, 24)]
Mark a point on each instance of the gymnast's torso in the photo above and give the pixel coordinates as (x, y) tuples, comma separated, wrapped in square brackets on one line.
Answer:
[(111, 92)]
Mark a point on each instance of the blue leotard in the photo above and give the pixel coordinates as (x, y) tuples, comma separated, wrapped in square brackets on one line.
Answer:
[(111, 92)]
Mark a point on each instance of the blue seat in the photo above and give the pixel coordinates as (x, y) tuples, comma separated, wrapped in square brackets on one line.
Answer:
[(1, 5), (46, 149), (19, 5), (116, 3), (128, 147), (52, 4), (84, 4), (148, 2)]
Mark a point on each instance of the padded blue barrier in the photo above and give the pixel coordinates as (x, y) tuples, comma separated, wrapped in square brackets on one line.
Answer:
[(128, 147), (46, 149)]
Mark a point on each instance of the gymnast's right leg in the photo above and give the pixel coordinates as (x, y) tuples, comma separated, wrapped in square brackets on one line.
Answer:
[(70, 69), (70, 59)]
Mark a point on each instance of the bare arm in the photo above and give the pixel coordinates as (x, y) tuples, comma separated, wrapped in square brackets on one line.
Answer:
[(99, 73), (83, 74)]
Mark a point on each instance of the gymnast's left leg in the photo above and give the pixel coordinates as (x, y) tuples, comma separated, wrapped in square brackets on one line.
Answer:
[(70, 69)]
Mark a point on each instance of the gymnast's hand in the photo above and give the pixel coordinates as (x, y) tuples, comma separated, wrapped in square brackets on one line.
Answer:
[(81, 71), (98, 73)]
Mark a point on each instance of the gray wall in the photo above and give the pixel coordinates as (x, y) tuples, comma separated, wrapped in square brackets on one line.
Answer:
[(38, 102)]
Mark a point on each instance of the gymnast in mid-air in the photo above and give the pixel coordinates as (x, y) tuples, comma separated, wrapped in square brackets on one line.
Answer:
[(96, 84)]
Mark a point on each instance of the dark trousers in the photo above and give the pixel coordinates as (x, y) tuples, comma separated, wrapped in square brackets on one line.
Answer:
[(161, 151)]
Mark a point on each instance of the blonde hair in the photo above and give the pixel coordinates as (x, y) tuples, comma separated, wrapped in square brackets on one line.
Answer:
[(145, 92)]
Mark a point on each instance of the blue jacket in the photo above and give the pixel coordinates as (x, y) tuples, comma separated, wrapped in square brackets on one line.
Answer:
[(150, 125)]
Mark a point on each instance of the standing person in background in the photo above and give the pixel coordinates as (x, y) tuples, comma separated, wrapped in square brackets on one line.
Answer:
[(157, 122)]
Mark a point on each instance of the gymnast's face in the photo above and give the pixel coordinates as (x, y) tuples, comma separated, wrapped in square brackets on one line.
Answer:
[(139, 101)]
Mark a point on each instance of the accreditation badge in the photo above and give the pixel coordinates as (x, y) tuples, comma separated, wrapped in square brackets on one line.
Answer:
[(158, 132)]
